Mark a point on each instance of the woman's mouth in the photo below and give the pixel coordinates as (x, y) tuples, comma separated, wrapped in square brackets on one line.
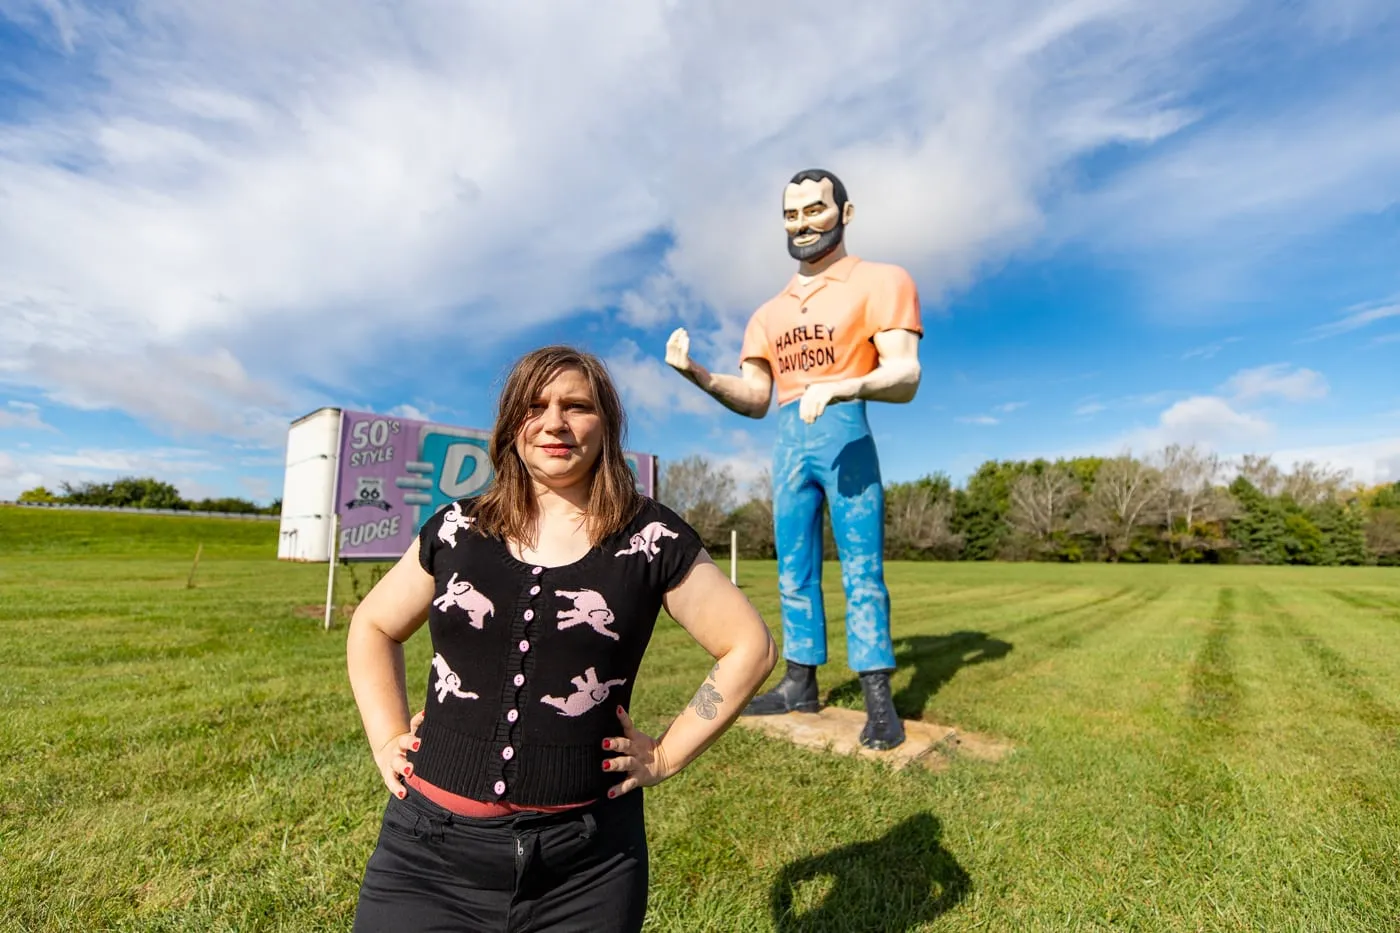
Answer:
[(557, 450)]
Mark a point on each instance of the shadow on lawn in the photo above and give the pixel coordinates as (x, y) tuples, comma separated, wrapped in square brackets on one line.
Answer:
[(891, 884), (935, 659)]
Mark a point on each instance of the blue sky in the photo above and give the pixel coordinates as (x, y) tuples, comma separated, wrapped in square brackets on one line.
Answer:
[(1131, 224)]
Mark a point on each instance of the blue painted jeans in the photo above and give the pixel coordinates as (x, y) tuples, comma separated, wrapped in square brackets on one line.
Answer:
[(832, 461)]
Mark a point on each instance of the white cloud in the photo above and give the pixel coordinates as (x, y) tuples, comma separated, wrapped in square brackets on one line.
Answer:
[(1384, 339), (1008, 407), (22, 415), (648, 385), (409, 412), (1208, 418), (16, 477), (978, 419), (1090, 408), (1209, 350), (1205, 420), (183, 467), (1217, 214), (174, 390), (1276, 379), (1370, 462), (1356, 320)]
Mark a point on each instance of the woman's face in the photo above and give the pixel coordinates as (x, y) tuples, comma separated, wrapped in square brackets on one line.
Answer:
[(563, 432)]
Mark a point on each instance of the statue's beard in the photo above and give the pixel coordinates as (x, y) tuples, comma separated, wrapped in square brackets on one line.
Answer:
[(824, 244)]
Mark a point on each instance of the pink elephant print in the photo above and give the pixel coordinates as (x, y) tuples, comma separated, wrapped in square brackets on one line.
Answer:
[(645, 541), (462, 595), (588, 693), (589, 609)]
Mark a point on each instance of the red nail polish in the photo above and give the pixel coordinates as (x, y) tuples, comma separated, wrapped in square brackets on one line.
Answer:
[(415, 745), (607, 744), (607, 765), (612, 793)]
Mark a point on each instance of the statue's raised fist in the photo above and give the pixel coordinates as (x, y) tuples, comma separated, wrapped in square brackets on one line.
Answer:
[(678, 350)]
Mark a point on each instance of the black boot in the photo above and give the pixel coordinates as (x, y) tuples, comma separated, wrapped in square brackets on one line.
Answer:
[(797, 691), (883, 728)]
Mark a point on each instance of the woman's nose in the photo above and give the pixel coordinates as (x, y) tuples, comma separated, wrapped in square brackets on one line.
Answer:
[(553, 418)]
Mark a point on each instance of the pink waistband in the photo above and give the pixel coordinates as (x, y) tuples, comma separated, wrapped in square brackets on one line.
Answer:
[(479, 809)]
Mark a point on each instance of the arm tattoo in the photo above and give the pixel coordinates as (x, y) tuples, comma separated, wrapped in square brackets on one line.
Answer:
[(704, 702), (713, 671)]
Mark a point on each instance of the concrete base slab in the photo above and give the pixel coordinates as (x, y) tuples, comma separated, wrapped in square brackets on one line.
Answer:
[(837, 730)]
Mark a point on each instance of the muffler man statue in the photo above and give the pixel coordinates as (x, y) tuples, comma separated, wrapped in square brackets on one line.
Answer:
[(842, 332)]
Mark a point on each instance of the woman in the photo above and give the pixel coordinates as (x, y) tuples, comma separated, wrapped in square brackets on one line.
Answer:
[(516, 800)]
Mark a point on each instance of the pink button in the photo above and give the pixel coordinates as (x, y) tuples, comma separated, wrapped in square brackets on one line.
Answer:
[(524, 646), (529, 614), (534, 591), (537, 571), (512, 716), (519, 679), (500, 787), (507, 753)]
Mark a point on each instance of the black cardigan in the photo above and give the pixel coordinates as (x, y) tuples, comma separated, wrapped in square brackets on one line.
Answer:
[(530, 663)]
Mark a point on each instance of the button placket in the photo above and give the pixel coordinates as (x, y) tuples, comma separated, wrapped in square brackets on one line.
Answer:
[(518, 680)]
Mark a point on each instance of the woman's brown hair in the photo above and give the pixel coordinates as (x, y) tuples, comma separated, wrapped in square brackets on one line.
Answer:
[(507, 508)]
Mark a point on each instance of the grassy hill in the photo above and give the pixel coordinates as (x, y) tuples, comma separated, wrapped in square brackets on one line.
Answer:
[(77, 533)]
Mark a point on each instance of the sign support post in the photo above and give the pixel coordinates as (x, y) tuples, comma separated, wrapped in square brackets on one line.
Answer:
[(330, 574)]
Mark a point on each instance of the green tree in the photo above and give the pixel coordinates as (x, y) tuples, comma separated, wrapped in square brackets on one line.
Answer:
[(1258, 526), (917, 520), (146, 492), (1344, 528), (39, 494), (1302, 542), (980, 511), (1387, 497), (1383, 536), (228, 505)]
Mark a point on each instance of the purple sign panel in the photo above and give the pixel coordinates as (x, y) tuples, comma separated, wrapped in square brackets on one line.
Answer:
[(396, 473)]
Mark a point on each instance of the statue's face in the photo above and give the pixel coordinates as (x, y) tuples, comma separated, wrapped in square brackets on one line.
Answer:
[(813, 221)]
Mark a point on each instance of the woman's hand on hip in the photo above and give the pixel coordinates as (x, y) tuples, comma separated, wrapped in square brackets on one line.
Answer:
[(640, 757), (392, 757)]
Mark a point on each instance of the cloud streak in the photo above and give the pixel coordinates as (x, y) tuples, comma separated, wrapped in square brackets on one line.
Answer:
[(1355, 321)]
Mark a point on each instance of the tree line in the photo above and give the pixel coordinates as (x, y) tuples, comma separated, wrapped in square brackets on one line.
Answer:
[(143, 492), (1177, 505)]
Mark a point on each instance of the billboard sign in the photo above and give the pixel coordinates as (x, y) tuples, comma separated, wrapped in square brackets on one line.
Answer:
[(395, 473)]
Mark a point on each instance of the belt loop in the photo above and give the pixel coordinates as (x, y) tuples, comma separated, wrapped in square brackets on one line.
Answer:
[(590, 824)]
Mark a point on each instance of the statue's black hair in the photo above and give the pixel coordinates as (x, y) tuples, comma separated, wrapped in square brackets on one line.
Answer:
[(838, 190)]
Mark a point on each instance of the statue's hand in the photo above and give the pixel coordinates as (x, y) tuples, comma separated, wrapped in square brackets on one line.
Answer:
[(678, 350), (817, 396)]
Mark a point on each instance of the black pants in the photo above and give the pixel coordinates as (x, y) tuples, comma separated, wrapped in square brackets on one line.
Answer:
[(433, 871)]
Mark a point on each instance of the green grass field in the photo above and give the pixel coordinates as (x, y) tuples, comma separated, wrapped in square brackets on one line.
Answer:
[(1196, 748)]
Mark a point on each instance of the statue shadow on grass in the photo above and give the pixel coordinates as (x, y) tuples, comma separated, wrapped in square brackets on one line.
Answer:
[(891, 884), (935, 659)]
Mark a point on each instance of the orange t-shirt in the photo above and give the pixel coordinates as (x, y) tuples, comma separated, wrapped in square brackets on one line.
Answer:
[(823, 331)]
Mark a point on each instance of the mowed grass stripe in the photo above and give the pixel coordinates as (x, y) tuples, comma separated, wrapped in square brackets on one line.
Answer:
[(1214, 693), (1342, 675), (1300, 750), (1047, 668), (1367, 600)]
